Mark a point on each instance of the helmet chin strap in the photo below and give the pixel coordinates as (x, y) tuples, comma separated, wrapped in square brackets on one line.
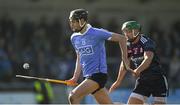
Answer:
[(134, 38), (81, 25), (134, 33)]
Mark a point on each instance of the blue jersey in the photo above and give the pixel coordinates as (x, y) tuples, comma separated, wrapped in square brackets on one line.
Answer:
[(90, 46)]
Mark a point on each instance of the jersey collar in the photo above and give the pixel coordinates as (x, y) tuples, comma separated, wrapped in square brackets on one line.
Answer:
[(87, 29), (78, 33)]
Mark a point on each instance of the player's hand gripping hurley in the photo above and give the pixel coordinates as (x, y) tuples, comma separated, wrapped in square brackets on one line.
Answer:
[(68, 83), (129, 69)]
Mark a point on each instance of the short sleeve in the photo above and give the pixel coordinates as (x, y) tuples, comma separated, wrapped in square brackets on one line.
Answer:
[(104, 34), (149, 46)]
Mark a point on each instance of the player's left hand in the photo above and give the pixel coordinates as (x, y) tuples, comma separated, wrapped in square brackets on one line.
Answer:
[(114, 86)]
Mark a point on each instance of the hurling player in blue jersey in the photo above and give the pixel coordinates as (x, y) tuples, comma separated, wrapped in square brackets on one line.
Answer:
[(88, 43), (145, 62)]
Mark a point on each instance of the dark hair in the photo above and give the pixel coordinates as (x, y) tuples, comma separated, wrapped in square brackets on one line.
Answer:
[(79, 14)]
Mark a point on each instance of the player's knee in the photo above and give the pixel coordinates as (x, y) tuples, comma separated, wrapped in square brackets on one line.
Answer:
[(136, 98), (71, 97)]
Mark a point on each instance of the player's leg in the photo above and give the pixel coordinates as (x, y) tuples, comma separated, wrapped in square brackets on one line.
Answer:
[(136, 98), (86, 87), (140, 93), (160, 90), (100, 94), (102, 97)]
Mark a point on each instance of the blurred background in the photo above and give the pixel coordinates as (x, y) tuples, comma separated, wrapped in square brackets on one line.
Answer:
[(37, 32)]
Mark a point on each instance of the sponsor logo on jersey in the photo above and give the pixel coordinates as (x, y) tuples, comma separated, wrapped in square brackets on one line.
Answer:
[(86, 50), (137, 59)]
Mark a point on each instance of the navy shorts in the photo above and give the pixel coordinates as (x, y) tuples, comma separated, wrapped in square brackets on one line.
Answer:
[(156, 86), (100, 78)]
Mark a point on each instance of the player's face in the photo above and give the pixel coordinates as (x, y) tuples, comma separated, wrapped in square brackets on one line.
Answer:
[(74, 24), (130, 34)]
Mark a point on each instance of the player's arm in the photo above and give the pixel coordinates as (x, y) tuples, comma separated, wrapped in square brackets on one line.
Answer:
[(148, 56), (122, 43), (77, 70), (119, 79)]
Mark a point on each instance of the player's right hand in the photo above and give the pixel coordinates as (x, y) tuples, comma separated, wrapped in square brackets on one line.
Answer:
[(73, 79), (114, 86), (135, 73), (72, 82)]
